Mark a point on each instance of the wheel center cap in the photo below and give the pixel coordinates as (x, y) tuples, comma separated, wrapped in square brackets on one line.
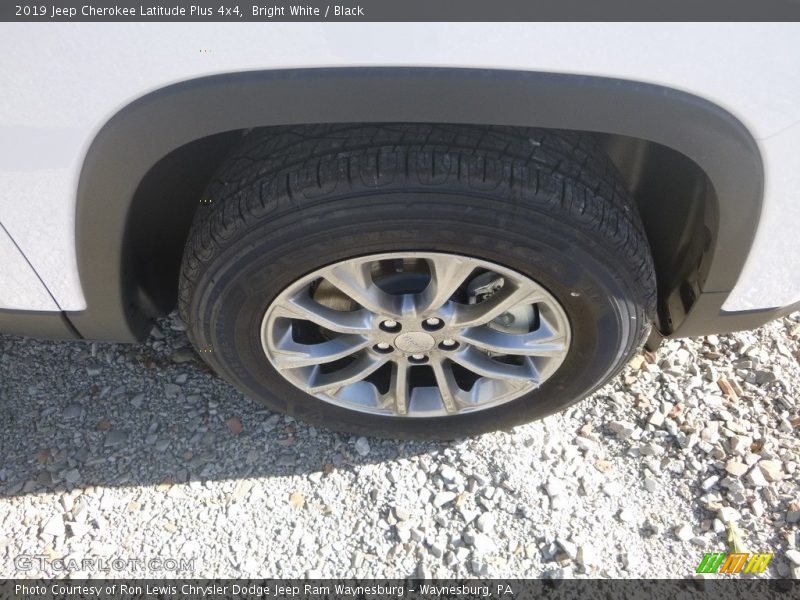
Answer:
[(415, 342)]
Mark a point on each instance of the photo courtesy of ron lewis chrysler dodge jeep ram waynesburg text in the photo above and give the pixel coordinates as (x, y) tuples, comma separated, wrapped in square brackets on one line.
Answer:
[(406, 230)]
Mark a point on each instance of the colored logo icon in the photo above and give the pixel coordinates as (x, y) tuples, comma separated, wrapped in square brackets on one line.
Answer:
[(735, 562)]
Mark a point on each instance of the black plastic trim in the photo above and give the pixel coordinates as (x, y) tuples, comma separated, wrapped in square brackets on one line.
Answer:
[(38, 324), (706, 317), (149, 128)]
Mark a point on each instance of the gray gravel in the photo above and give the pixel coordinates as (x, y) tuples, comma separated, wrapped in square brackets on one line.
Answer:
[(119, 451)]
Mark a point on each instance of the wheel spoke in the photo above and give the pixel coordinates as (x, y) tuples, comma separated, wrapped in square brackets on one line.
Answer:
[(354, 278), (508, 296), (446, 382), (447, 275), (481, 364), (305, 308), (362, 367), (542, 342), (396, 398), (291, 355)]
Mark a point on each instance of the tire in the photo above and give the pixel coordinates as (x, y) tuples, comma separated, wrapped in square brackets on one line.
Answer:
[(544, 204)]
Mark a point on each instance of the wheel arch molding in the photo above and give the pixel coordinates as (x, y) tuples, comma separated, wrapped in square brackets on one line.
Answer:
[(210, 113)]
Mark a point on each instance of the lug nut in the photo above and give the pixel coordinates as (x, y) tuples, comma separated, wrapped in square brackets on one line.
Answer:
[(448, 344), (418, 356), (432, 323), (390, 325), (418, 359), (383, 348)]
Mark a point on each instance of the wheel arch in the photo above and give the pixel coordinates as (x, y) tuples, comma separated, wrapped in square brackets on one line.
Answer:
[(142, 168)]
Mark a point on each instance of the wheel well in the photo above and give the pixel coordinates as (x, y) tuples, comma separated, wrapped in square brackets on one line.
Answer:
[(680, 211), (674, 196), (144, 162), (160, 216)]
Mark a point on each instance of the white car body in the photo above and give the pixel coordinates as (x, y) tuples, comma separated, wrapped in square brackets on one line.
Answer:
[(61, 83)]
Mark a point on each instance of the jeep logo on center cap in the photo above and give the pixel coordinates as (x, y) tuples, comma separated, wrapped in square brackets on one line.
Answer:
[(415, 341)]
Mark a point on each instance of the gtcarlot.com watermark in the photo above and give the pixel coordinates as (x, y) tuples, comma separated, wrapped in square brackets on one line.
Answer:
[(36, 562)]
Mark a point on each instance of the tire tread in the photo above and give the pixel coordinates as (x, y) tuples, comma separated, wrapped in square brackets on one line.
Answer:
[(311, 162)]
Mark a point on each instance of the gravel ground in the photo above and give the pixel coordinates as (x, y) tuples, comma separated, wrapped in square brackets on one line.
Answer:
[(139, 452)]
